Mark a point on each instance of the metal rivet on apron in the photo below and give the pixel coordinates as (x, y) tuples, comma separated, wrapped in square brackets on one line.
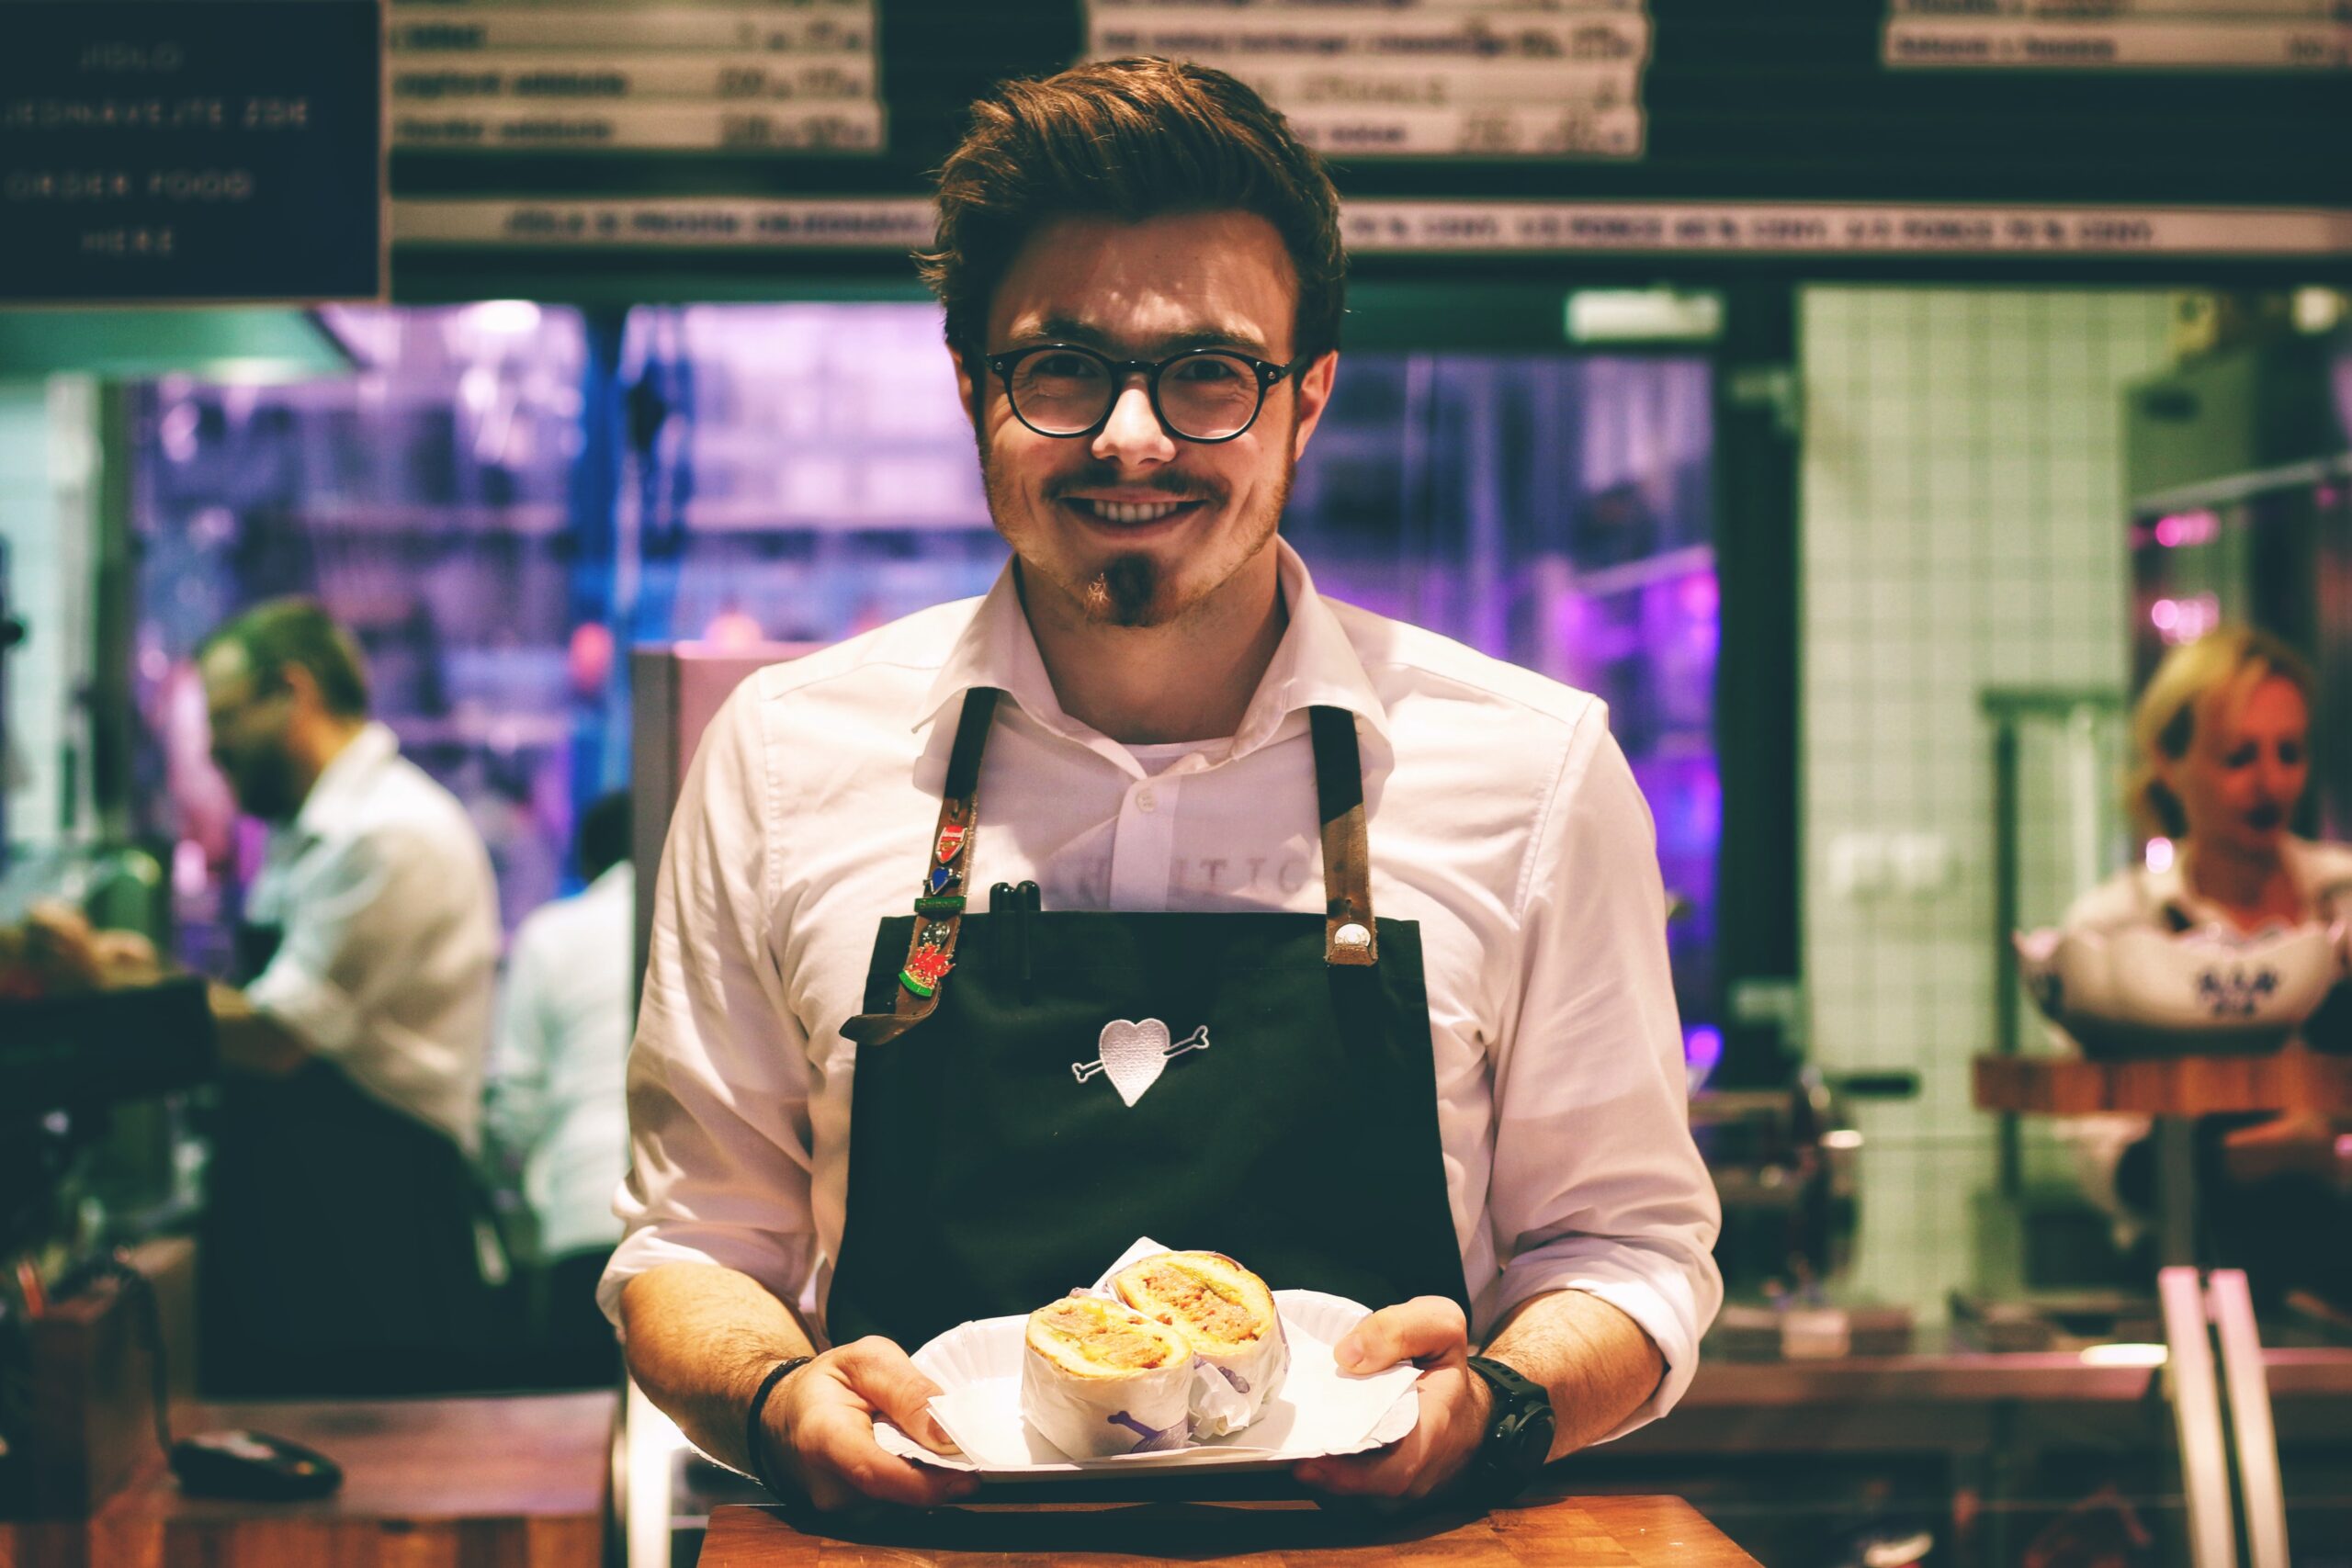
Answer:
[(1351, 935)]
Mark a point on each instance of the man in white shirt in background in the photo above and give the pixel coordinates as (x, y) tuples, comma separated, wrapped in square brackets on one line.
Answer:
[(340, 1243), (555, 1104), (1442, 1075)]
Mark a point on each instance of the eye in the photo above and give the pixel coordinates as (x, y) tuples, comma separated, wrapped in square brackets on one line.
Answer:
[(1063, 365), (2290, 753), (2240, 756), (1208, 370)]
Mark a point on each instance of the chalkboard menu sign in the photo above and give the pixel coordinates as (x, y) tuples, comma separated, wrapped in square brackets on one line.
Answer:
[(1372, 79), (2118, 35), (191, 150), (726, 147), (782, 77)]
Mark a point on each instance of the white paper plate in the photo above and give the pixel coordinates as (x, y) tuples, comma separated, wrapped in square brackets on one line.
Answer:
[(1319, 1410)]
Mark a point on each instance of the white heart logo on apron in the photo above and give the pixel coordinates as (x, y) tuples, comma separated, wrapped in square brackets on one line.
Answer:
[(1133, 1054)]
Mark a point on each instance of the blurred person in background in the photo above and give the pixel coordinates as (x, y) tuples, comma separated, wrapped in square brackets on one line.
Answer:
[(2223, 737), (556, 1105), (342, 1238)]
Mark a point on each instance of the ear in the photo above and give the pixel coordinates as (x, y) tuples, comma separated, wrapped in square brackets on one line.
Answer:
[(1314, 385), (297, 680)]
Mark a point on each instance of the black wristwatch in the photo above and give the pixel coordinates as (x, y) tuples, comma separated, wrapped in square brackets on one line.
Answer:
[(1518, 1440)]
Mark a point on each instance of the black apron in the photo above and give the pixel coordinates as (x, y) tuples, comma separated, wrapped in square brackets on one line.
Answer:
[(1035, 1090), (337, 1253)]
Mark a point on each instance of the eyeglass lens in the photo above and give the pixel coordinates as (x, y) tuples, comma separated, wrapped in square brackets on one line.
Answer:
[(1205, 396)]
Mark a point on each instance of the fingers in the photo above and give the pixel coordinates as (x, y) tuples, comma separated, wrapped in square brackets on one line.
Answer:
[(830, 1430), (1423, 1330), (886, 1379), (843, 1466), (1419, 1464)]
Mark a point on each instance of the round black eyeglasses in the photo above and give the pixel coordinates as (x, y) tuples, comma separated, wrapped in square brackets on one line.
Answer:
[(1205, 395)]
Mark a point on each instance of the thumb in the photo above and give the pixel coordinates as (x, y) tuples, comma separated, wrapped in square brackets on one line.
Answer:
[(882, 1376), (1425, 1328)]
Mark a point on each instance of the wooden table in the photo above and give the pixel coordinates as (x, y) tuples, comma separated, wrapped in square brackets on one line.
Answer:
[(519, 1481), (1568, 1532), (2290, 1079)]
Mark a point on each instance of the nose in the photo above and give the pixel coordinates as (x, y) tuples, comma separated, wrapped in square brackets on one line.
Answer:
[(1132, 437)]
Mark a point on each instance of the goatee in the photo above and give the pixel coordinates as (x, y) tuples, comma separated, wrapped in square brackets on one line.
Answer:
[(1122, 594)]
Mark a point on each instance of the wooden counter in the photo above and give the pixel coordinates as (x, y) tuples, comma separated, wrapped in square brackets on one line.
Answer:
[(2290, 1079), (513, 1482), (1571, 1532)]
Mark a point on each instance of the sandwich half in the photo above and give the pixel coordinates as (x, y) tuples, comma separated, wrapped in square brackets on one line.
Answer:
[(1098, 1378), (1228, 1316)]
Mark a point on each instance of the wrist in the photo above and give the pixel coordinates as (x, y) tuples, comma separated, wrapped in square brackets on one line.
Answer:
[(755, 1421), (1515, 1433)]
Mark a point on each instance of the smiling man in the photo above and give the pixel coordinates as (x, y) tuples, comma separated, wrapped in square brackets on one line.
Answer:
[(1307, 936)]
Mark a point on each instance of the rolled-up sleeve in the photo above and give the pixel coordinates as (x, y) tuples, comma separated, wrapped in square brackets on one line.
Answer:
[(1598, 1186), (718, 1075)]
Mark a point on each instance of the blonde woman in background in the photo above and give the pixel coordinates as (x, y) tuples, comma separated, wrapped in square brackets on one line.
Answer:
[(2223, 735)]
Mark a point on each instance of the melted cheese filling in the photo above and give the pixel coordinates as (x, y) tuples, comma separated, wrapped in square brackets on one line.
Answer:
[(1100, 1338), (1181, 1298)]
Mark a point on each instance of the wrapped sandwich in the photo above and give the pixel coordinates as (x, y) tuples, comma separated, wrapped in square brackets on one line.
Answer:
[(1227, 1314), (1099, 1379)]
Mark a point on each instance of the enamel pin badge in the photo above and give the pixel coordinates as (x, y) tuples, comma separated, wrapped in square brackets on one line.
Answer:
[(1133, 1054)]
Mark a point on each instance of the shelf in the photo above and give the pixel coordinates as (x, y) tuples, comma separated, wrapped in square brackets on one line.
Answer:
[(2290, 1079)]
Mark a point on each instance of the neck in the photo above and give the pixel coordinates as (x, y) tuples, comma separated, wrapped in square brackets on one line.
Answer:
[(2236, 879), (317, 745), (1191, 679)]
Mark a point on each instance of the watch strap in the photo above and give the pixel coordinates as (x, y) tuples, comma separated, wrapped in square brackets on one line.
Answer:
[(1517, 1438)]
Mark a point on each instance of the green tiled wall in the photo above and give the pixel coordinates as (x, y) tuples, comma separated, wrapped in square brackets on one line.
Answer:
[(1963, 527)]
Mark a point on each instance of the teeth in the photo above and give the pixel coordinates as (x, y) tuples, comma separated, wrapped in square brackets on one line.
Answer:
[(1130, 512)]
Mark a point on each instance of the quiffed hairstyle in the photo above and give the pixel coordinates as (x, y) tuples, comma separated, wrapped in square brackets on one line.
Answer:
[(2198, 682), (298, 630), (1130, 140)]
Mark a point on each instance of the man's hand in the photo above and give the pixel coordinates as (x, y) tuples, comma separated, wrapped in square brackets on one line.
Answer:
[(820, 1430), (1429, 1331)]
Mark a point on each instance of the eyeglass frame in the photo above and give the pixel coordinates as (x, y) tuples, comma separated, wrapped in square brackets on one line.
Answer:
[(1269, 374)]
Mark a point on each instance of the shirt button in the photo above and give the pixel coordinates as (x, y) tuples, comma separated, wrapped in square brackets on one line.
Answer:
[(1147, 802)]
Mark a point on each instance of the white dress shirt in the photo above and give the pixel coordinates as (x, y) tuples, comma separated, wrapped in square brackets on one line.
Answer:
[(1503, 819), (390, 915), (555, 1082)]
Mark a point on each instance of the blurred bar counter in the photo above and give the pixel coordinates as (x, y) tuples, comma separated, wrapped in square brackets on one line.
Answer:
[(521, 1481)]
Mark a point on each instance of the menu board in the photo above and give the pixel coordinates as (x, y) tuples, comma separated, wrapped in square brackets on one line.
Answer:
[(754, 76), (2095, 35), (158, 151), (1414, 78)]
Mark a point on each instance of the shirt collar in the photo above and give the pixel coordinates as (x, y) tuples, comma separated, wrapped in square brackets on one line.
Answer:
[(337, 789), (1315, 665)]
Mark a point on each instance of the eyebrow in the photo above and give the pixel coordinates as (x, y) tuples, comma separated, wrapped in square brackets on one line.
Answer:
[(1066, 329)]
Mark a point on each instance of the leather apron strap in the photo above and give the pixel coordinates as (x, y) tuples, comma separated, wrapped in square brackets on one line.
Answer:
[(939, 906)]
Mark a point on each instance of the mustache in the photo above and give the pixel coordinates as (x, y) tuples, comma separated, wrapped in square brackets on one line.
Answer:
[(1175, 487)]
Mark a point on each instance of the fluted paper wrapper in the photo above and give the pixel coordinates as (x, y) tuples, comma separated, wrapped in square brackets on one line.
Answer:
[(1230, 1390), (1094, 1418)]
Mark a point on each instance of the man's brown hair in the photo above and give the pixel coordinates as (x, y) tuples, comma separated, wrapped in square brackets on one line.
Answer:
[(297, 630), (1130, 140)]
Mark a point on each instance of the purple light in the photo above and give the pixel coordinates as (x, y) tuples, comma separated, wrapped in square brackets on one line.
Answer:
[(1703, 1050), (1702, 596)]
